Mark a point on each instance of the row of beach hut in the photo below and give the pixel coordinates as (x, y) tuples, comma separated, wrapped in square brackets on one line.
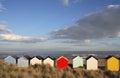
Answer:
[(111, 63)]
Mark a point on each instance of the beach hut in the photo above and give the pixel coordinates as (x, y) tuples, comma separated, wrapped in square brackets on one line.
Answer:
[(77, 62), (23, 61), (112, 63), (62, 62), (49, 60), (92, 63), (36, 60), (11, 59)]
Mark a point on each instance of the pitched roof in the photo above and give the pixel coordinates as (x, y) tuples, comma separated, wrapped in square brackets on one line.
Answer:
[(91, 56), (76, 56), (62, 57), (26, 56), (111, 56), (49, 57), (13, 56), (39, 57)]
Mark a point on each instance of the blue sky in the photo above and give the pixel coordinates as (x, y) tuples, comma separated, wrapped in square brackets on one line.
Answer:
[(59, 25)]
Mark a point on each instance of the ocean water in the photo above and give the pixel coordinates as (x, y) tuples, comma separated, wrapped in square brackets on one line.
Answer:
[(68, 54)]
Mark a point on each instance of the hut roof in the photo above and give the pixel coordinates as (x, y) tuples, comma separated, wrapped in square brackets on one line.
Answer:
[(62, 57), (91, 56), (76, 56), (39, 57), (50, 58), (13, 56), (27, 57), (111, 56)]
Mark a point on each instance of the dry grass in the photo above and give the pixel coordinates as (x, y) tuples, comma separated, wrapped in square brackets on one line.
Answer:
[(46, 71)]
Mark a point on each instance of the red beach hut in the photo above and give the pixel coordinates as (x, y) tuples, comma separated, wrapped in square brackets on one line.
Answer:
[(62, 62)]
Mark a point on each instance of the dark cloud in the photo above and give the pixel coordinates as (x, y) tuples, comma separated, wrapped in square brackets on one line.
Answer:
[(103, 24)]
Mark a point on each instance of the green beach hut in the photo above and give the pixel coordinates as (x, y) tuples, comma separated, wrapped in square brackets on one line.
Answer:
[(77, 62)]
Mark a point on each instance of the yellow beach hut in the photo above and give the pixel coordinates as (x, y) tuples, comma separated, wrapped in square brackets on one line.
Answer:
[(112, 63)]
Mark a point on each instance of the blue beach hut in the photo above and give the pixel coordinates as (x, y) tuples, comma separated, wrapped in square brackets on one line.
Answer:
[(11, 59)]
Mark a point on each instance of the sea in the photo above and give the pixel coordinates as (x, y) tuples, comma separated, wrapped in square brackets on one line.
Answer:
[(68, 54)]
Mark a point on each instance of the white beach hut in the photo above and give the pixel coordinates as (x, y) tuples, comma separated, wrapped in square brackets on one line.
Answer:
[(23, 61), (36, 60), (77, 62), (49, 60), (92, 63)]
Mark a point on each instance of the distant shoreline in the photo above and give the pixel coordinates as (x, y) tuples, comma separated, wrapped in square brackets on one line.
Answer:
[(65, 53)]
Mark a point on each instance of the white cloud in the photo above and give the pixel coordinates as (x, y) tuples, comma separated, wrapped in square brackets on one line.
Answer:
[(1, 7), (7, 35), (87, 41), (17, 38), (113, 6), (65, 2), (118, 34), (4, 30)]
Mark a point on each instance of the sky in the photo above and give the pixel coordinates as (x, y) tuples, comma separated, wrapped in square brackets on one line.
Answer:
[(59, 25)]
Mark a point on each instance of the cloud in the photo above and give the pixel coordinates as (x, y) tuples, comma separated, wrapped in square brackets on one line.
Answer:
[(4, 30), (7, 35), (17, 38), (113, 6), (98, 25), (65, 2), (87, 41), (1, 7)]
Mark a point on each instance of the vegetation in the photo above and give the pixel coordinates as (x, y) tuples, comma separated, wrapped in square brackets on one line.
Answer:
[(46, 71)]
